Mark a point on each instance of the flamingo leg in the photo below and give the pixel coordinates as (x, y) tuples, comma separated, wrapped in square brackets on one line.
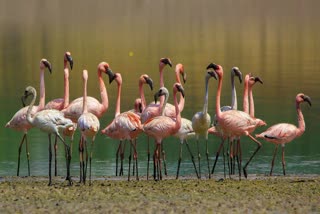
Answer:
[(90, 160), (28, 154), (117, 156), (130, 160), (217, 155), (231, 157), (159, 161), (81, 158), (122, 158), (192, 158), (50, 159), (224, 163), (254, 153), (68, 159), (135, 157), (148, 153), (164, 160), (273, 158), (207, 154), (179, 160), (283, 161), (234, 156), (199, 156), (86, 165), (55, 147), (19, 152), (238, 152)]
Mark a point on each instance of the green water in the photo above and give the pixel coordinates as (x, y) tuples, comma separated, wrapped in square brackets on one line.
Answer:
[(277, 41)]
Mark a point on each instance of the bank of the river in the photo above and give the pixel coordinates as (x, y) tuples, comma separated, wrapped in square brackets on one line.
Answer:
[(293, 194)]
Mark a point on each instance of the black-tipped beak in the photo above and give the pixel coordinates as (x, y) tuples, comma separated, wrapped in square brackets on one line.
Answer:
[(238, 73), (213, 74), (166, 61), (213, 66), (240, 78), (111, 75), (257, 79), (140, 107), (180, 89), (70, 60), (23, 100), (156, 95), (307, 99), (48, 65), (184, 77), (150, 83)]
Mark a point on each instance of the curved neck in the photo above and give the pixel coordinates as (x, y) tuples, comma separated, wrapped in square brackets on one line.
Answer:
[(84, 105), (245, 98), (162, 107), (42, 90), (205, 106), (301, 123), (178, 115), (234, 102), (29, 118), (103, 91), (218, 110), (251, 107), (142, 97), (118, 100), (181, 100), (161, 83), (66, 86)]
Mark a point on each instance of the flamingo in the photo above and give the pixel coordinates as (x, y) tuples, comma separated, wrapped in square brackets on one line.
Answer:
[(283, 133), (62, 103), (201, 120), (125, 126), (19, 121), (50, 121), (235, 72), (89, 125), (235, 123), (162, 126)]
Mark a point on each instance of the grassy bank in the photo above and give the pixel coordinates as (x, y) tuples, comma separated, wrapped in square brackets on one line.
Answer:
[(254, 195)]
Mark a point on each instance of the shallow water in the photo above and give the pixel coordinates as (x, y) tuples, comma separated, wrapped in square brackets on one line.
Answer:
[(275, 41)]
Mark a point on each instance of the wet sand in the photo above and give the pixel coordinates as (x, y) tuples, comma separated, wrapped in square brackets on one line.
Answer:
[(257, 194)]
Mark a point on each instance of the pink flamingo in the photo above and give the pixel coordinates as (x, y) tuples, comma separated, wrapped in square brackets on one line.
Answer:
[(201, 120), (161, 127), (19, 120), (125, 126), (89, 126), (62, 103), (235, 123), (50, 121), (283, 133)]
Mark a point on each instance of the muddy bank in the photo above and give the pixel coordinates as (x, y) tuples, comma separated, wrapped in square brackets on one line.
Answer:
[(293, 194)]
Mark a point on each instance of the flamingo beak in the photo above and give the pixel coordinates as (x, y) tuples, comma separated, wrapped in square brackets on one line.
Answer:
[(48, 65), (166, 61), (184, 77), (23, 100), (156, 95), (149, 82), (111, 75), (213, 74), (307, 99), (70, 60), (140, 107), (180, 89), (213, 66), (257, 79)]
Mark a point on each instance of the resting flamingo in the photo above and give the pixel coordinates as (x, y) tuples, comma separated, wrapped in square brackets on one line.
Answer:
[(125, 126), (62, 103), (162, 126), (50, 121), (89, 126), (201, 121), (19, 120), (283, 133), (235, 123), (235, 72)]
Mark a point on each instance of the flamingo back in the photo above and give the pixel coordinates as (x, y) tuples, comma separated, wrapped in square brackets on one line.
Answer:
[(55, 104), (88, 124), (160, 127), (201, 123), (19, 120)]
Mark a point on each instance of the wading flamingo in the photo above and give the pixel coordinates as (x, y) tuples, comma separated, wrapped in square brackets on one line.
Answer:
[(19, 120), (161, 127), (201, 121), (62, 103), (283, 133), (235, 72), (89, 126), (50, 121), (235, 123)]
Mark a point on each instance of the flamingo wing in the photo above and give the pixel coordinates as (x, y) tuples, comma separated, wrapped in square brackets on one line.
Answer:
[(280, 133)]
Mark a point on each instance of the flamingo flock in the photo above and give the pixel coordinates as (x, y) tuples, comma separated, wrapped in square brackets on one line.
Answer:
[(157, 120)]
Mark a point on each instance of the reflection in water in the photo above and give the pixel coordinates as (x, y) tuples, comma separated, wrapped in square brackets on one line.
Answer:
[(277, 41)]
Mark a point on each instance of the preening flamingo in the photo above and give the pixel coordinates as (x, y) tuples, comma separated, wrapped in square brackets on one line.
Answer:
[(50, 121), (162, 126), (235, 123), (235, 72), (19, 120), (62, 103), (283, 133), (201, 121), (89, 126)]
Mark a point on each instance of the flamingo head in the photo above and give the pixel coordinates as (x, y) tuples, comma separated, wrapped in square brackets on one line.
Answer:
[(85, 75), (303, 98), (177, 87), (163, 91), (104, 67), (252, 80), (217, 68), (29, 91), (68, 58), (235, 71), (44, 63), (180, 70), (164, 62), (138, 105), (118, 78), (145, 79), (211, 73)]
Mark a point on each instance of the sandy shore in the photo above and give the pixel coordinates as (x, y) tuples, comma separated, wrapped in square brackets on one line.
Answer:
[(257, 194)]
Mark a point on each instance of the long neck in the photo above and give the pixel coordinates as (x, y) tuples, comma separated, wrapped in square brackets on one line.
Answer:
[(181, 100), (143, 99), (302, 125), (161, 83), (118, 100), (245, 98), (218, 110), (234, 102), (162, 107), (178, 115), (29, 118), (205, 106), (251, 108), (66, 86), (85, 106), (42, 90), (103, 92)]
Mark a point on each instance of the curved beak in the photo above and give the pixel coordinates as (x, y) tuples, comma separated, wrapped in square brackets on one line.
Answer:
[(111, 75), (257, 79), (140, 107), (70, 60), (48, 65), (156, 95), (213, 66), (180, 89), (307, 99), (23, 100), (166, 61), (184, 77), (213, 74), (149, 82)]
